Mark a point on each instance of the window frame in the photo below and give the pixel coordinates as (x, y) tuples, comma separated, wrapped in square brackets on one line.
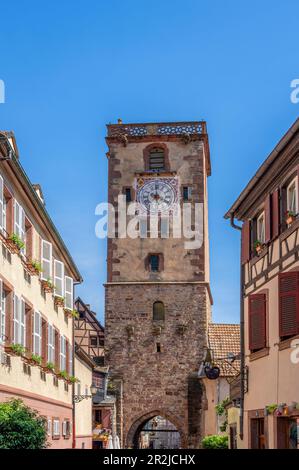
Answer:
[(47, 261), (62, 353), (19, 224), (294, 182), (56, 427), (258, 235), (51, 344), (59, 279), (67, 292), (37, 335), (2, 312)]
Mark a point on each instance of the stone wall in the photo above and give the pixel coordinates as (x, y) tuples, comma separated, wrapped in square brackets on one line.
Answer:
[(158, 382)]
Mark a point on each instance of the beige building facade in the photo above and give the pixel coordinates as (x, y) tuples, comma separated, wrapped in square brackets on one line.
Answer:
[(83, 407), (37, 277), (268, 208)]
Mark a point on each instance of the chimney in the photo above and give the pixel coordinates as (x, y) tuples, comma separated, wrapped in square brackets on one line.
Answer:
[(39, 192)]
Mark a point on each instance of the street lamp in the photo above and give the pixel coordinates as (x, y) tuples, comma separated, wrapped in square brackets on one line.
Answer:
[(93, 391)]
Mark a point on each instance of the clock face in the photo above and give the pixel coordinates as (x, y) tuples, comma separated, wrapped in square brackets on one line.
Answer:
[(157, 195)]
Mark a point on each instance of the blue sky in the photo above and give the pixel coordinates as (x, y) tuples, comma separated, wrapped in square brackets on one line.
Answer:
[(71, 67)]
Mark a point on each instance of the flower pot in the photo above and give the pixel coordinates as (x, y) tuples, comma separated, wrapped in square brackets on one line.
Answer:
[(258, 249), (11, 246), (31, 269), (59, 302), (46, 287), (290, 219)]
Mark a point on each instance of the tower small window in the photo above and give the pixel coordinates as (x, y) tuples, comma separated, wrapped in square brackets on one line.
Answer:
[(158, 311), (156, 159), (128, 194), (186, 193), (154, 263), (158, 347)]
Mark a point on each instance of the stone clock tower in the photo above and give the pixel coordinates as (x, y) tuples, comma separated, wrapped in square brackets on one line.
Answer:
[(157, 292)]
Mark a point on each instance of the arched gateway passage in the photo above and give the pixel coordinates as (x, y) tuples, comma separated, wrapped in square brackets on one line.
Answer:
[(155, 431)]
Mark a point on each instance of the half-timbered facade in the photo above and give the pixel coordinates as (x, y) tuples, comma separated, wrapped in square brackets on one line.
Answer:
[(89, 333), (37, 277), (268, 208)]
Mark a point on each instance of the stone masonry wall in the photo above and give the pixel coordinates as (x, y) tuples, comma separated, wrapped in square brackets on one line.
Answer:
[(158, 382)]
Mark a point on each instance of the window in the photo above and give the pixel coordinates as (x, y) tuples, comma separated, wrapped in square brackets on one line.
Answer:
[(19, 223), (62, 361), (2, 312), (260, 228), (58, 278), (98, 416), (46, 260), (78, 389), (156, 159), (49, 427), (158, 347), (37, 334), (2, 205), (94, 341), (128, 194), (19, 326), (257, 321), (70, 359), (288, 304), (158, 311), (66, 428), (292, 205), (51, 344), (154, 263), (56, 426), (68, 293), (186, 193), (164, 227)]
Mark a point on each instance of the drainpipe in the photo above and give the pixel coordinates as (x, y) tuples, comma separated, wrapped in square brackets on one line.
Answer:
[(73, 373), (242, 345)]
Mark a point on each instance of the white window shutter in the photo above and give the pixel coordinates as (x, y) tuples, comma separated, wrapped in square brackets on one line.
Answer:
[(70, 359), (17, 229), (2, 313), (1, 204), (59, 277), (37, 333), (22, 323), (68, 291), (64, 428), (16, 320), (46, 259)]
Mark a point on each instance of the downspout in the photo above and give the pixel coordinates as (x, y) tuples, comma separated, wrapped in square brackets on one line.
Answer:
[(242, 345), (73, 373)]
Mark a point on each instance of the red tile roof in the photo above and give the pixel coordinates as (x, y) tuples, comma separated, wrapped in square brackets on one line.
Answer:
[(225, 339)]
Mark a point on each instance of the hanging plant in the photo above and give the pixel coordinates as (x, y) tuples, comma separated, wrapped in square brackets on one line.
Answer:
[(258, 246), (290, 217), (50, 367), (59, 301), (36, 359), (271, 408), (47, 285)]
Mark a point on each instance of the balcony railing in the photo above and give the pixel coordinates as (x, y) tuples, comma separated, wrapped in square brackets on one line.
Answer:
[(163, 128)]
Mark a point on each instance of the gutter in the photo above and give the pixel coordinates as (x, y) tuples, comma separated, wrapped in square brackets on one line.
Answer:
[(242, 333), (263, 168)]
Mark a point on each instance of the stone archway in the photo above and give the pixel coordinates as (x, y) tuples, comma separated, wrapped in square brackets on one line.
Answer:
[(136, 426)]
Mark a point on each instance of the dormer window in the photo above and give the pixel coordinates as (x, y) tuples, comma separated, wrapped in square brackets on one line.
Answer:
[(156, 159), (292, 197)]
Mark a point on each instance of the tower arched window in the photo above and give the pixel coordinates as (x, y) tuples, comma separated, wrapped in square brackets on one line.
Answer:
[(156, 159), (158, 311)]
